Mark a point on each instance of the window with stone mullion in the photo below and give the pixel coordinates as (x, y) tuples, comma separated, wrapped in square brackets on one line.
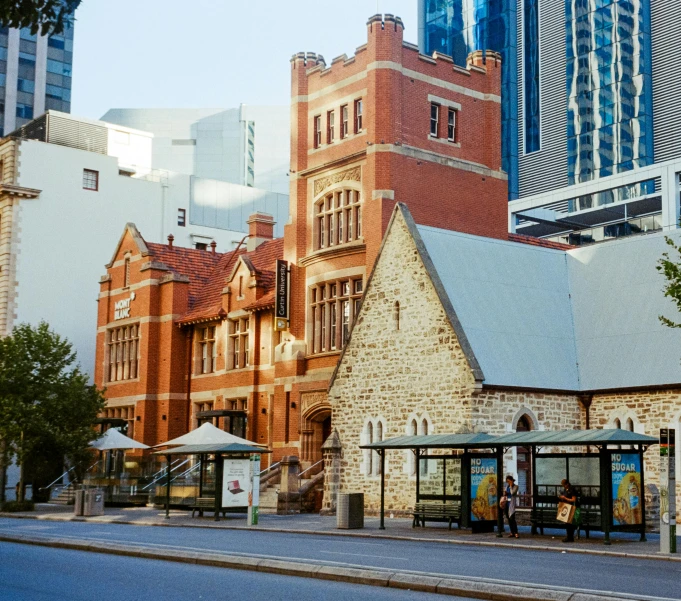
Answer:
[(239, 343), (123, 350), (338, 218), (334, 307)]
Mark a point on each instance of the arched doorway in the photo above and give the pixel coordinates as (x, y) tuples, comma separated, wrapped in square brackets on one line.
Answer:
[(316, 429), (524, 460)]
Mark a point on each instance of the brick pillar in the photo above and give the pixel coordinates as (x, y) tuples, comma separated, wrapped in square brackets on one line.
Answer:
[(331, 450), (288, 501)]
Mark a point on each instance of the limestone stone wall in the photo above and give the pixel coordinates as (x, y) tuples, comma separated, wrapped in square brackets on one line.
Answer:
[(648, 411)]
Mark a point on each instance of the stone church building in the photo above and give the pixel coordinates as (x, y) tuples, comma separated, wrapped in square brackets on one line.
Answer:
[(460, 333)]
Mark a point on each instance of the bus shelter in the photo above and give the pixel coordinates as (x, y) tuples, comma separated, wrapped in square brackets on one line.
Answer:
[(607, 470), (233, 472)]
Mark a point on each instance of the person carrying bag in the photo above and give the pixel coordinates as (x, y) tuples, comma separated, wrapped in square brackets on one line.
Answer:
[(568, 498), (508, 505)]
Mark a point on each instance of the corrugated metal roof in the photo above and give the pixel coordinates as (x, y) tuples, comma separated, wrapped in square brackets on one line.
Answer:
[(434, 441), (519, 439), (574, 438), (578, 320), (198, 449)]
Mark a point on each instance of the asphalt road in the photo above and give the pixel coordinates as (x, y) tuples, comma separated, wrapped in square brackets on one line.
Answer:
[(599, 573), (42, 574)]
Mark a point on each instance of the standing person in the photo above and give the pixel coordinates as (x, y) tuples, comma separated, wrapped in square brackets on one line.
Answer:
[(568, 496), (510, 495)]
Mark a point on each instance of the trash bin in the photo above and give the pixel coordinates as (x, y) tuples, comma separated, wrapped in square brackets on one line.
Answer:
[(93, 503), (350, 512), (78, 505)]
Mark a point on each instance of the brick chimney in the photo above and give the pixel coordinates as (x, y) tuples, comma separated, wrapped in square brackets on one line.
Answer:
[(260, 229)]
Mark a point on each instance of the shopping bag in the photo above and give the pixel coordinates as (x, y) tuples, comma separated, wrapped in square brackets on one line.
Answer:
[(566, 513), (577, 519)]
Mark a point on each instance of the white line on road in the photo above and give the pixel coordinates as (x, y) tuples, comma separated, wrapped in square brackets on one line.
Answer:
[(363, 555)]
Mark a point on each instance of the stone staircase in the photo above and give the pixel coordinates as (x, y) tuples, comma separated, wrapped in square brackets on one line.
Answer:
[(66, 496)]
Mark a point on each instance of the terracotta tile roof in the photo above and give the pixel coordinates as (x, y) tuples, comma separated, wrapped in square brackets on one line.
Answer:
[(522, 239), (264, 302), (197, 265), (263, 258)]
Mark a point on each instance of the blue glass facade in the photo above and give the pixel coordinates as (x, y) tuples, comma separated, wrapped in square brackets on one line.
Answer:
[(608, 86), (458, 27), (531, 102)]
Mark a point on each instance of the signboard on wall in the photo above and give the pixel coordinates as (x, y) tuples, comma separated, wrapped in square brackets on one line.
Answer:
[(626, 489), (122, 307), (281, 296), (236, 483), (484, 502)]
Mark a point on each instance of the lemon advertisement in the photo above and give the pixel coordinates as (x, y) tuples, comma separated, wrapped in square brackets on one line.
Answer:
[(484, 502), (626, 489)]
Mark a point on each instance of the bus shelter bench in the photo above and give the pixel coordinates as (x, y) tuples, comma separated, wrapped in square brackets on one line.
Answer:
[(545, 517), (206, 504), (436, 512)]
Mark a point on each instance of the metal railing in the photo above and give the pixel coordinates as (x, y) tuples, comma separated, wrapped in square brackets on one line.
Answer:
[(300, 475), (164, 473), (271, 467)]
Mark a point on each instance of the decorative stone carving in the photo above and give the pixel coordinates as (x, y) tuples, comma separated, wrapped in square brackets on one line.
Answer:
[(311, 399), (354, 174)]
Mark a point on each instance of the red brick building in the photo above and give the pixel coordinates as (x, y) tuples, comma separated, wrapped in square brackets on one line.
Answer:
[(184, 332)]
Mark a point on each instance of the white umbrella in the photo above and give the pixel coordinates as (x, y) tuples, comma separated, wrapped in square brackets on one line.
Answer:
[(113, 440), (207, 434)]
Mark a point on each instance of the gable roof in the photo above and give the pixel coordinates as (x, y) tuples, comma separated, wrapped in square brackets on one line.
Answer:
[(260, 262), (532, 317), (130, 228)]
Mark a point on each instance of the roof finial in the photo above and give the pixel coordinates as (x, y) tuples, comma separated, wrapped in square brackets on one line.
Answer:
[(170, 240), (213, 245)]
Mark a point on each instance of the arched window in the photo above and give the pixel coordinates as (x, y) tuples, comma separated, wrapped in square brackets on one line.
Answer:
[(396, 315), (618, 424), (524, 459), (412, 431), (379, 438), (424, 432), (338, 218), (370, 454), (629, 425)]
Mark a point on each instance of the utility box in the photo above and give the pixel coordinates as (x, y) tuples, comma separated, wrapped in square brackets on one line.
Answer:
[(93, 503), (350, 511), (78, 502)]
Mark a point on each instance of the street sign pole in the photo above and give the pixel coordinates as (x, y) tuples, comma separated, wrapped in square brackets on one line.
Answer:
[(667, 490), (254, 495)]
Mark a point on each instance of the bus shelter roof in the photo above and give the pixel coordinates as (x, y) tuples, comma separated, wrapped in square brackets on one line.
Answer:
[(538, 438), (478, 440), (214, 448)]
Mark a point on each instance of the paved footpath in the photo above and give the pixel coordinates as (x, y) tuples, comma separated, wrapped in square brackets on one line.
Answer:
[(481, 566)]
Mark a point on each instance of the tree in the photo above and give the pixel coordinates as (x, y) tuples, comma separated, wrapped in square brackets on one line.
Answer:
[(46, 16), (672, 272), (47, 406)]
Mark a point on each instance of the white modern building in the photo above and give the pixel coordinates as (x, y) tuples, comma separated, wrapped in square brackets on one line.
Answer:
[(249, 145), (68, 188)]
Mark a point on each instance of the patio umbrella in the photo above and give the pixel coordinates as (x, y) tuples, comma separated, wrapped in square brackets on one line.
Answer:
[(205, 435), (113, 440)]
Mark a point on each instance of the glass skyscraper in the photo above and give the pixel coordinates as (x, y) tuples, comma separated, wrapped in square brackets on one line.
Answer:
[(602, 48), (35, 75)]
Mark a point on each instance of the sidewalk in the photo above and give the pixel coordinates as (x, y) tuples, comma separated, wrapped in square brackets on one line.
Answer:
[(623, 544)]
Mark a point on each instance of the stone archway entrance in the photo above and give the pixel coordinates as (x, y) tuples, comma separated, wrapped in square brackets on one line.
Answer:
[(316, 426)]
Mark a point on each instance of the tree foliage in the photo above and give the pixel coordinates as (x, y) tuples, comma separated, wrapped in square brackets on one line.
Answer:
[(671, 269), (47, 405), (44, 16)]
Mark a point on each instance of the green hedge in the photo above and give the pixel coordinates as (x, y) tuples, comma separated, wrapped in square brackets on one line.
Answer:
[(14, 506)]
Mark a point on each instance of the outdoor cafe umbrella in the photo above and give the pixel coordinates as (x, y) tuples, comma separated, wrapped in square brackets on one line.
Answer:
[(113, 440), (205, 435)]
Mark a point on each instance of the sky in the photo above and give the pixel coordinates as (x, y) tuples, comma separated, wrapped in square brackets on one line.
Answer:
[(209, 53)]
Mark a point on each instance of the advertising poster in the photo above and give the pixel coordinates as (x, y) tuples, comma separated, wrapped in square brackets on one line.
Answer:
[(236, 483), (484, 502), (626, 489)]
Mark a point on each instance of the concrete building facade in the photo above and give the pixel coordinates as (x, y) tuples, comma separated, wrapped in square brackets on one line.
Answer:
[(248, 145)]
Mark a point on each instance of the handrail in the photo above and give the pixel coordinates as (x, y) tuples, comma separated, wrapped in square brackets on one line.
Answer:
[(193, 468), (165, 475), (162, 471), (51, 484), (309, 468), (271, 467)]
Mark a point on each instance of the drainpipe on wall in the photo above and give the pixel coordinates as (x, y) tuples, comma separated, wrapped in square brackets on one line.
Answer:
[(190, 338), (585, 400)]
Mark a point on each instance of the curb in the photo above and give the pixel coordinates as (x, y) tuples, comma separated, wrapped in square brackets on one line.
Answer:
[(493, 591), (345, 533)]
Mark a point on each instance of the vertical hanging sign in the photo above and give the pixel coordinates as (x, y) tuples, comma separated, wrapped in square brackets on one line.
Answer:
[(668, 490), (281, 297)]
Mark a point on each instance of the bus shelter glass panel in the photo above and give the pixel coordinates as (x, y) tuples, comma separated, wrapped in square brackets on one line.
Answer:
[(439, 478)]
